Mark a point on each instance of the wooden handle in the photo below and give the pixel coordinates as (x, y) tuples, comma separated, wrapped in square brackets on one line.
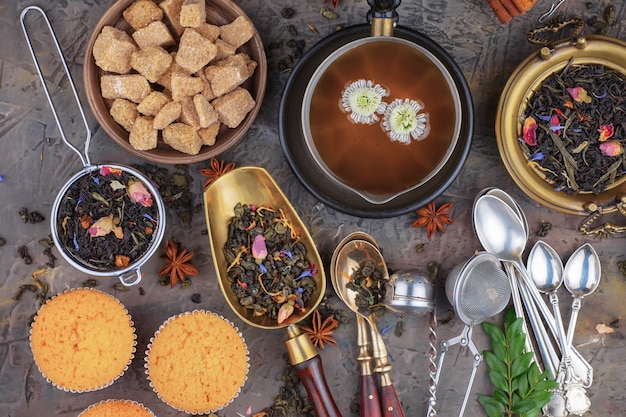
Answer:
[(390, 402), (312, 376), (370, 402)]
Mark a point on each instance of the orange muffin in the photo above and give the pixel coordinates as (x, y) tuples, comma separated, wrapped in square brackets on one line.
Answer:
[(197, 362), (117, 408), (82, 340)]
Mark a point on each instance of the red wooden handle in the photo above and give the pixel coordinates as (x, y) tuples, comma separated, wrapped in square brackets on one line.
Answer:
[(390, 402), (312, 376), (370, 402)]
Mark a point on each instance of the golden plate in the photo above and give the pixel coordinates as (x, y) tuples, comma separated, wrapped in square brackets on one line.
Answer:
[(529, 75), (254, 185)]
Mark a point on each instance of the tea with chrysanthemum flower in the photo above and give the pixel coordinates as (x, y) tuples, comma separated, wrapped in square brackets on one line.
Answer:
[(574, 128), (383, 116), (107, 219)]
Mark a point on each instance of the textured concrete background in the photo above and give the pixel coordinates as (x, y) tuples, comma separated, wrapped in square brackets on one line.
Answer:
[(35, 164)]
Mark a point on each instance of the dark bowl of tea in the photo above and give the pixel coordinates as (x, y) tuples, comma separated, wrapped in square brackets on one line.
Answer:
[(561, 124), (108, 220), (376, 126)]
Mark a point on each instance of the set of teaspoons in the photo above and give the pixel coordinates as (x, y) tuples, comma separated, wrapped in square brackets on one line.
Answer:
[(479, 289), (501, 228)]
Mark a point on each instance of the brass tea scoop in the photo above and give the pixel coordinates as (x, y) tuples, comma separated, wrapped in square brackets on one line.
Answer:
[(254, 185)]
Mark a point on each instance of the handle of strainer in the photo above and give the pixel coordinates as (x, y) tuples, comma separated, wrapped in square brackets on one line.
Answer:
[(84, 158)]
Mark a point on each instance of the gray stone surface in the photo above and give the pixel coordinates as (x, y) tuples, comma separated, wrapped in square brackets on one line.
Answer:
[(35, 164)]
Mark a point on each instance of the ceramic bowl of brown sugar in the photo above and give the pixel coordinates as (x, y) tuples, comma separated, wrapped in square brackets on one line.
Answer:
[(175, 83)]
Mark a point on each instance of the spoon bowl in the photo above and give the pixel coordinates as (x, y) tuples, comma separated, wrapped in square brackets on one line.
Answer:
[(545, 267), (582, 271)]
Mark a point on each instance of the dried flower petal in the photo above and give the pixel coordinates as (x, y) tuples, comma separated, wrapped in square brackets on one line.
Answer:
[(121, 260), (579, 95), (612, 148), (606, 132), (105, 225), (106, 170), (138, 193), (530, 131)]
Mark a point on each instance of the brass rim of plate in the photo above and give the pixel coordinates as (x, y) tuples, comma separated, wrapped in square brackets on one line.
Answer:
[(527, 77)]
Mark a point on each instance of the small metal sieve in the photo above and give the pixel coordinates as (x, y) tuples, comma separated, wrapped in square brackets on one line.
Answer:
[(477, 290), (130, 274)]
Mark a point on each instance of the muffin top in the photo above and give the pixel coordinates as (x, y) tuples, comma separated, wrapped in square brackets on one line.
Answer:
[(197, 362), (82, 340), (117, 408)]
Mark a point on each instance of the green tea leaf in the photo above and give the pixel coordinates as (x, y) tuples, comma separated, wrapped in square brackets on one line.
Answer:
[(498, 380), (495, 334), (521, 364), (516, 346), (523, 385), (495, 363), (524, 406), (501, 396), (492, 408)]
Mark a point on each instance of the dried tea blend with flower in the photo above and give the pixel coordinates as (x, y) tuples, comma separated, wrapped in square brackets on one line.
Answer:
[(368, 283), (107, 219), (267, 264), (574, 128)]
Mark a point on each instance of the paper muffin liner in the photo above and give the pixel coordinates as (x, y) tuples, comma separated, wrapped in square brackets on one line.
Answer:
[(173, 318), (106, 384), (103, 402)]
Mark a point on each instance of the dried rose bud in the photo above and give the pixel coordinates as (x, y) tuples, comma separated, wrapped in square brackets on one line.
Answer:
[(612, 148), (138, 193), (259, 249), (606, 132)]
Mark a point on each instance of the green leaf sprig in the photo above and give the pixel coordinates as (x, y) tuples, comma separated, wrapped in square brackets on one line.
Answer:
[(520, 388)]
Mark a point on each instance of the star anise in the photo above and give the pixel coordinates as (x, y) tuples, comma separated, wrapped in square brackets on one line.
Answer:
[(218, 168), (178, 263), (320, 331), (433, 218)]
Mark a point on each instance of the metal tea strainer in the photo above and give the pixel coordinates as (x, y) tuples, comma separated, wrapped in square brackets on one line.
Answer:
[(129, 274), (477, 290)]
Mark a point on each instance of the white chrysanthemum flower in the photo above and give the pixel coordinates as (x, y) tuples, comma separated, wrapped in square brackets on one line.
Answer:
[(403, 120), (362, 100)]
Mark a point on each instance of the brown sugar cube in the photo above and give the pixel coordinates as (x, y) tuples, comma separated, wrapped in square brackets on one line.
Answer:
[(207, 91), (185, 85), (153, 103), (233, 107), (112, 50), (171, 8), (143, 136), (166, 79), (224, 78), (124, 113), (133, 87), (238, 32), (183, 138), (209, 134), (156, 33), (141, 13), (167, 115), (205, 111), (209, 31), (151, 62), (224, 49), (194, 51), (250, 63), (188, 113), (193, 13)]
